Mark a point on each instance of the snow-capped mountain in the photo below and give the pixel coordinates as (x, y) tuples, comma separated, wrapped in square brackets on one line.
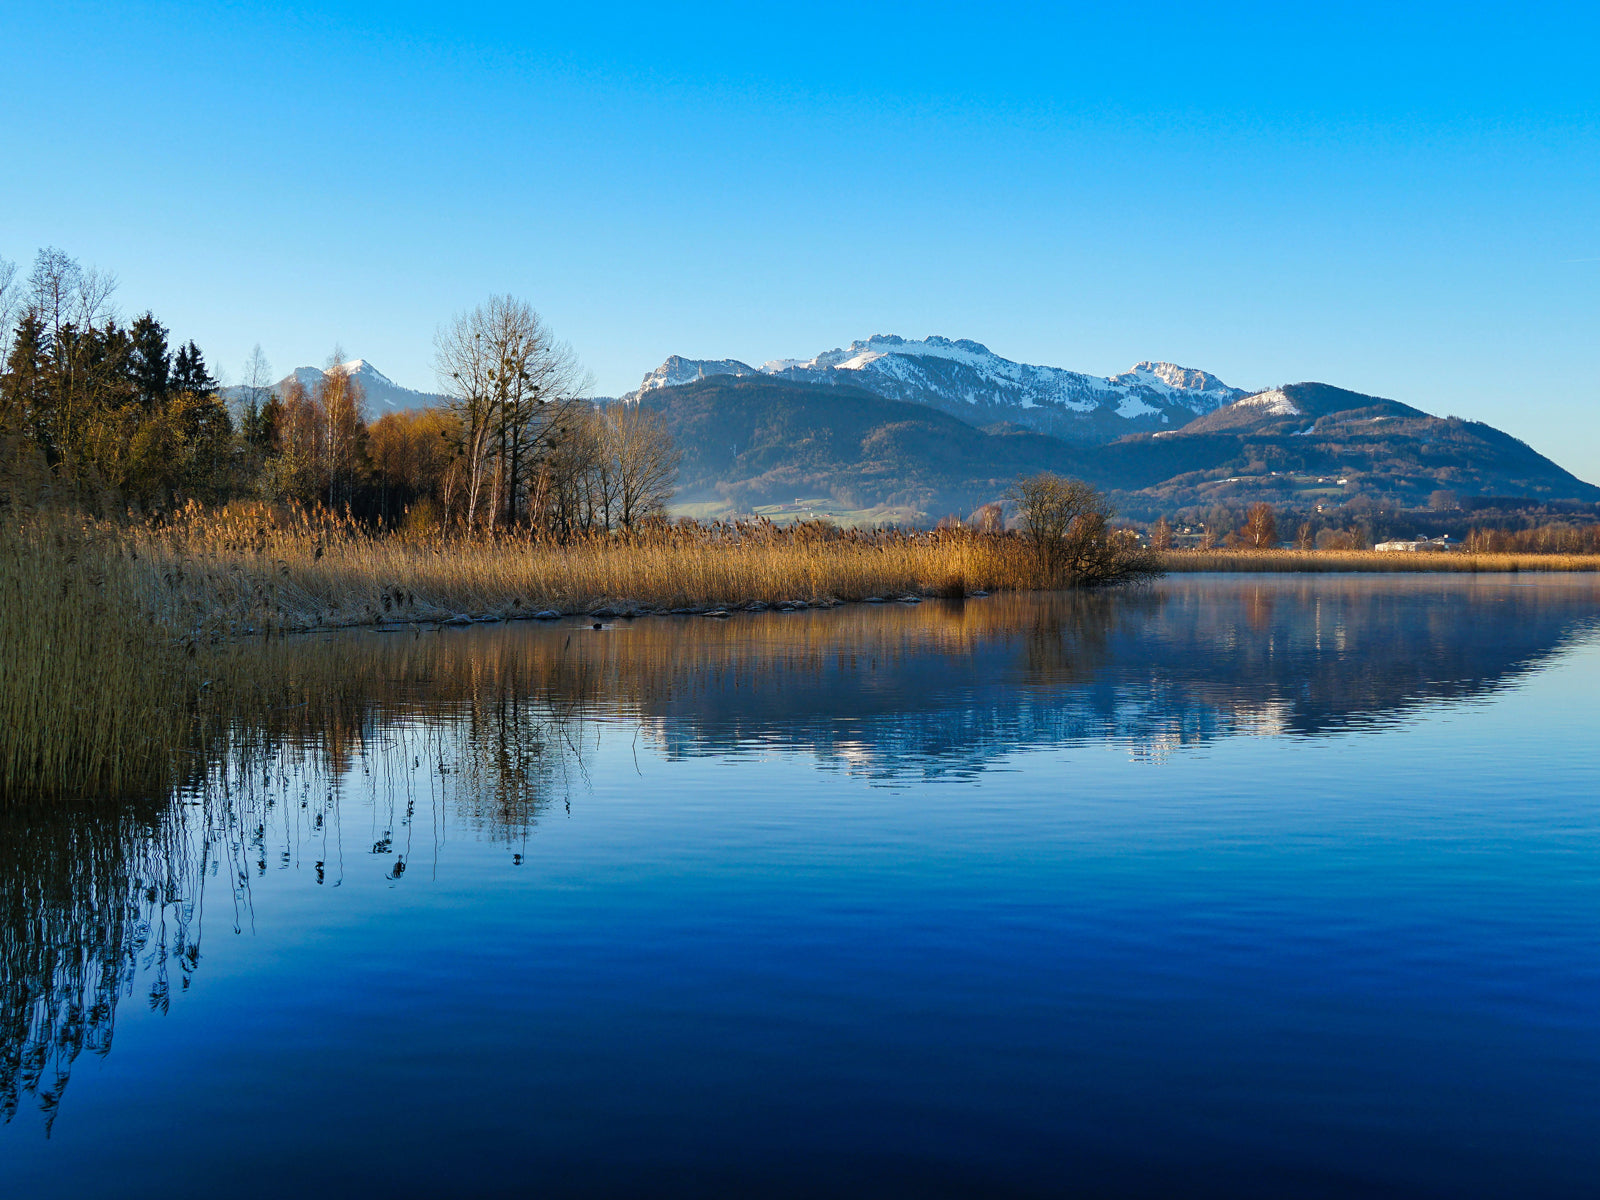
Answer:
[(970, 381), (383, 395)]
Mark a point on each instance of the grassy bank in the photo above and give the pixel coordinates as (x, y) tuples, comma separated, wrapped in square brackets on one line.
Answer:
[(1370, 560)]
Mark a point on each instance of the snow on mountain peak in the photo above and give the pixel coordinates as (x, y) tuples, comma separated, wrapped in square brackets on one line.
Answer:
[(881, 345), (679, 370), (381, 393), (969, 380), (1186, 379)]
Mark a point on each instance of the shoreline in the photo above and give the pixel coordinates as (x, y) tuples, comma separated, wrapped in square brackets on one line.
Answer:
[(1304, 562)]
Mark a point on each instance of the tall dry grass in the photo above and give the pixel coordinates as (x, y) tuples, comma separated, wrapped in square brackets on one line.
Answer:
[(253, 569), (97, 685), (1179, 561)]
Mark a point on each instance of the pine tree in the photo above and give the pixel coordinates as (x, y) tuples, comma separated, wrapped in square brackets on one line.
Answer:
[(149, 362), (189, 372)]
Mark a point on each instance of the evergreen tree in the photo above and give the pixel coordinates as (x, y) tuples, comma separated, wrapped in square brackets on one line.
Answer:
[(149, 362), (24, 387), (189, 372)]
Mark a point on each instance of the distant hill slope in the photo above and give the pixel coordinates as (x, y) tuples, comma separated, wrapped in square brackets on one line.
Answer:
[(383, 395), (1298, 408), (1290, 442), (970, 381), (756, 439)]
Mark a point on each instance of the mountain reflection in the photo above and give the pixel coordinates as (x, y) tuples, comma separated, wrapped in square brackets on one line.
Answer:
[(484, 730), (950, 686)]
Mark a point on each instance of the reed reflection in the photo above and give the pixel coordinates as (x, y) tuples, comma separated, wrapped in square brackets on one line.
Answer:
[(104, 904)]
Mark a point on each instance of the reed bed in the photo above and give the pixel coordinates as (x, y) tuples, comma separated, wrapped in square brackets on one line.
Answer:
[(114, 639), (1312, 561), (97, 687), (250, 570)]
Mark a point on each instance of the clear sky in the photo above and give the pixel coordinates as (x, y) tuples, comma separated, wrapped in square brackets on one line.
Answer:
[(1403, 200)]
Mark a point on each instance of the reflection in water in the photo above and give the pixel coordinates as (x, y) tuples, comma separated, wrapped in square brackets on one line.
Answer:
[(483, 730), (102, 902), (948, 687), (88, 899)]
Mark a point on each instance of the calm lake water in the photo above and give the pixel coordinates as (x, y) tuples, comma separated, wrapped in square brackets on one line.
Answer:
[(1236, 886)]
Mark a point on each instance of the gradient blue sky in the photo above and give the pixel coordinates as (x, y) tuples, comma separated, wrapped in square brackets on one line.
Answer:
[(1397, 199)]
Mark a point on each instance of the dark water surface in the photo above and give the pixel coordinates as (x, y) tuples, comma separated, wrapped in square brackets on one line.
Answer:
[(1238, 886)]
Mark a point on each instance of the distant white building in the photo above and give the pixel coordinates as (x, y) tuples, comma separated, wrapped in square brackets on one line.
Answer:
[(1424, 545)]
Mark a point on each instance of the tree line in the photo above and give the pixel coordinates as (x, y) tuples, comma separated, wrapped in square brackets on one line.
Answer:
[(123, 415), (1261, 526)]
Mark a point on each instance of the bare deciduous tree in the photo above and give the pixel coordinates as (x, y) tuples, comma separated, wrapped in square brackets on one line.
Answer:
[(62, 293), (643, 459), (254, 393), (988, 518), (1067, 525), (342, 404), (10, 307), (513, 387)]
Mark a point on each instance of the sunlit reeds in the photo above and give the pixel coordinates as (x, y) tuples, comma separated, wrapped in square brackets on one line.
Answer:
[(110, 675), (252, 569)]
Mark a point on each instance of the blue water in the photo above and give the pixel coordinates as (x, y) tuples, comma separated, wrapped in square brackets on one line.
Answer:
[(1242, 887)]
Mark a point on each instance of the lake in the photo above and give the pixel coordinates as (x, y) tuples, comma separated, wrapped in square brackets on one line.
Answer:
[(1235, 886)]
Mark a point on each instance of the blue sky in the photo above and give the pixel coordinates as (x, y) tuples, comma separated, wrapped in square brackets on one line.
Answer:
[(1397, 199)]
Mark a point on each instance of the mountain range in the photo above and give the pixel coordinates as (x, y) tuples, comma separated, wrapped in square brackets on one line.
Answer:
[(969, 381), (942, 426)]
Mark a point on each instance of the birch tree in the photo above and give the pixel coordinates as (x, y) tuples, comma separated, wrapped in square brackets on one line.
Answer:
[(341, 406), (644, 460), (10, 306)]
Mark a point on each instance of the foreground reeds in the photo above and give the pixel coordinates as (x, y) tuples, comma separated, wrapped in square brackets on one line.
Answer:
[(1370, 560), (96, 687)]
